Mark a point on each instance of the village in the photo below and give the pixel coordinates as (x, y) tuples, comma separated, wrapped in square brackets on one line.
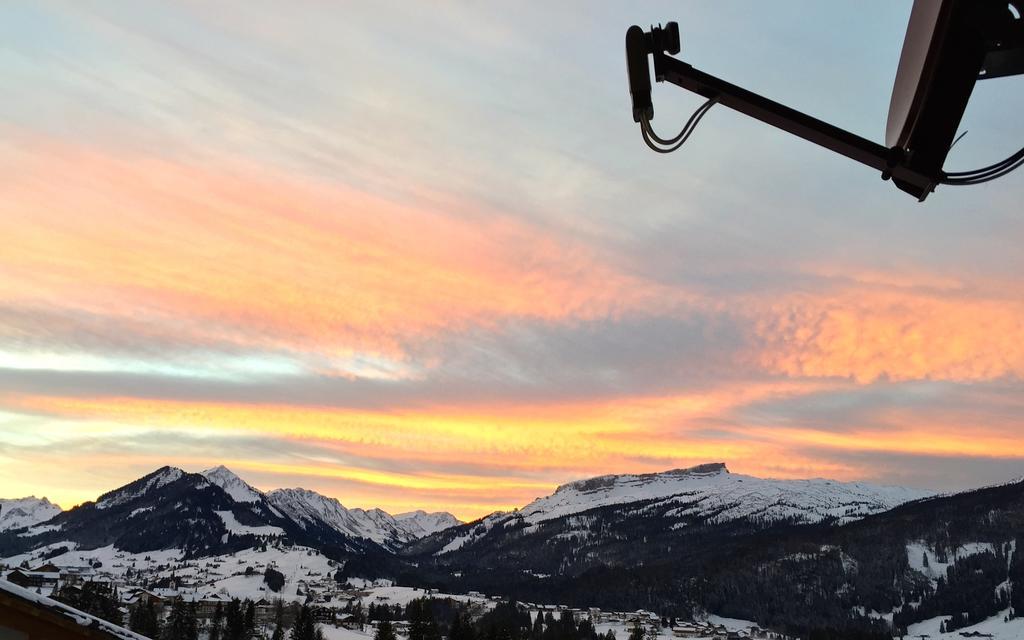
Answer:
[(275, 576)]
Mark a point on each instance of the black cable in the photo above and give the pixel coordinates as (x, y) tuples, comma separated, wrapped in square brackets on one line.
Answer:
[(985, 177), (689, 123), (672, 144), (995, 165), (984, 174)]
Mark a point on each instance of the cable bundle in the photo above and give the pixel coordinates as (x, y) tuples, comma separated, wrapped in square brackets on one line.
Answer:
[(985, 174), (663, 145)]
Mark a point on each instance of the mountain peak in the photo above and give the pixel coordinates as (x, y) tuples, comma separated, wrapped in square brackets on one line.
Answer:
[(162, 476), (604, 482), (234, 486)]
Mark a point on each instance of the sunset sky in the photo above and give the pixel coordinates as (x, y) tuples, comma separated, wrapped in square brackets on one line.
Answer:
[(416, 255)]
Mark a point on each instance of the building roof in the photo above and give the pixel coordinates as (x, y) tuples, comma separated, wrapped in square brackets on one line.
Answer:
[(87, 626)]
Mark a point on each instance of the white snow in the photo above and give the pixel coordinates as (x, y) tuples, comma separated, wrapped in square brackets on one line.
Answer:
[(236, 527), (1012, 630), (39, 529), (916, 552)]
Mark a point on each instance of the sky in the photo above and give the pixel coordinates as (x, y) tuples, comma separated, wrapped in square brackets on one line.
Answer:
[(416, 255)]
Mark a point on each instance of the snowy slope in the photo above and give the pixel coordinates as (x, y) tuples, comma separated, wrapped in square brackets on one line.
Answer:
[(309, 508), (16, 513)]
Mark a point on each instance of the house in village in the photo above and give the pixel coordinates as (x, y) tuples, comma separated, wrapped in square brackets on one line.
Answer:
[(40, 581)]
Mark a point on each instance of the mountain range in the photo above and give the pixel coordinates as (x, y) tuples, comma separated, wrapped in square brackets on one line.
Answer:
[(209, 513), (794, 555)]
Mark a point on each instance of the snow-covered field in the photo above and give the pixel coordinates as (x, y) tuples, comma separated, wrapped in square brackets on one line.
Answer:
[(1012, 630)]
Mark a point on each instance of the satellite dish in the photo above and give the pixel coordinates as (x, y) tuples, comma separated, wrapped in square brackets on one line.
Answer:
[(944, 53), (915, 66), (950, 44)]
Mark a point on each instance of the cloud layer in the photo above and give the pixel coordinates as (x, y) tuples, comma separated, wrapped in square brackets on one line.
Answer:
[(443, 274)]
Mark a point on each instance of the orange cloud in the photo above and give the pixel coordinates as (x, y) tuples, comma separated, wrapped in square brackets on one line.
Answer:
[(870, 333), (236, 254), (474, 460)]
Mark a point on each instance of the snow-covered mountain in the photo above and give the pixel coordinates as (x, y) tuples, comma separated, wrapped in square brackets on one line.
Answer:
[(800, 555), (712, 492), (207, 513), (666, 503), (308, 508), (16, 513)]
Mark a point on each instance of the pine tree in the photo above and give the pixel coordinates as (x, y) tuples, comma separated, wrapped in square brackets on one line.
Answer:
[(278, 633), (143, 619), (385, 631), (93, 598), (461, 628), (538, 627), (217, 623), (181, 623), (305, 627), (250, 618), (637, 632), (234, 621), (422, 625)]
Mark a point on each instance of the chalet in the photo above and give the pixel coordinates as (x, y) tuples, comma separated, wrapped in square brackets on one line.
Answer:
[(76, 575), (49, 567), (348, 621), (688, 631), (43, 580), (323, 615), (401, 627), (143, 596), (265, 610), (206, 605)]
